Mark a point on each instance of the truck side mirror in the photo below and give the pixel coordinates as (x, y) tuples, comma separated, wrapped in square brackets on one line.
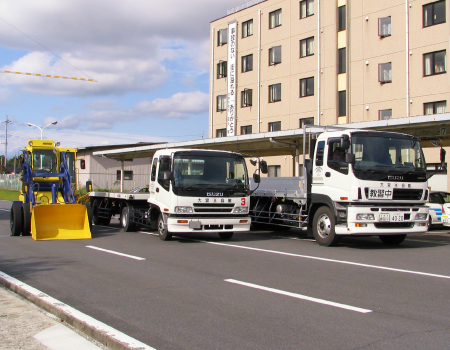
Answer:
[(263, 166), (164, 163), (256, 178), (443, 153), (82, 164), (345, 142), (89, 186), (350, 158), (312, 147)]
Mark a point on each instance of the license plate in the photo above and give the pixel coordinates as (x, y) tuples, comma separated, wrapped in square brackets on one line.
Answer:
[(445, 220), (391, 217), (380, 193)]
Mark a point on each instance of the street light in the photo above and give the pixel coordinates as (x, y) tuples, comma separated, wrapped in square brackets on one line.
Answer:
[(42, 129)]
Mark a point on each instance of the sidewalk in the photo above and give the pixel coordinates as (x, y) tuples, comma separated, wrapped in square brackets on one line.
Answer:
[(25, 326)]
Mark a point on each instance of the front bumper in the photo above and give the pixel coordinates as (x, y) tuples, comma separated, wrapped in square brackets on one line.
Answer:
[(407, 224), (213, 225)]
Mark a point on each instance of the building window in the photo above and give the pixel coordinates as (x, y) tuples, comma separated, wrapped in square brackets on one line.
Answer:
[(246, 98), (274, 171), (274, 55), (221, 103), (222, 36), (245, 130), (221, 69), (385, 72), (221, 132), (434, 13), (342, 24), (306, 121), (247, 28), (342, 100), (275, 19), (384, 26), (127, 175), (247, 63), (435, 107), (307, 87), (342, 60), (385, 114), (307, 47), (306, 8), (275, 126), (274, 93), (434, 63)]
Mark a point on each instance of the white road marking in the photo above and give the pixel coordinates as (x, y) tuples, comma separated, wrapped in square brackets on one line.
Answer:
[(330, 260), (300, 296), (5, 209), (116, 253), (77, 316)]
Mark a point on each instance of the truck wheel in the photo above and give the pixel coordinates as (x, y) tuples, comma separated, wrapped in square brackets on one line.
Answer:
[(226, 235), (26, 229), (163, 233), (15, 219), (125, 222), (392, 239), (429, 223), (95, 219), (323, 227)]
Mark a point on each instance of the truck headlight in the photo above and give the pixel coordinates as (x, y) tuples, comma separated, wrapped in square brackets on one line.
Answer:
[(365, 217), (240, 210), (421, 216), (183, 210)]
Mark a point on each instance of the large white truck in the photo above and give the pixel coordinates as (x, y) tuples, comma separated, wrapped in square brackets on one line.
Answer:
[(355, 182), (190, 191)]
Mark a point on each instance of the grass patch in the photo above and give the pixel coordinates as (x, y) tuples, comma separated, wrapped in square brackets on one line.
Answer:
[(9, 195)]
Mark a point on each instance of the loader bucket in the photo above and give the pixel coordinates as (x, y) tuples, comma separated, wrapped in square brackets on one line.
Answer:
[(59, 221)]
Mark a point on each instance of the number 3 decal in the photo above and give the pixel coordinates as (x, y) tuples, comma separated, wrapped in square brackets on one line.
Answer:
[(242, 201)]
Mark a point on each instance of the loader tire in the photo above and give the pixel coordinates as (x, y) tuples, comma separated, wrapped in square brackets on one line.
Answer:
[(125, 222), (163, 233), (15, 219), (26, 229)]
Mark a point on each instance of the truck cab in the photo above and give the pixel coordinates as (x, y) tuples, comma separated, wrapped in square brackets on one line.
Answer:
[(367, 183)]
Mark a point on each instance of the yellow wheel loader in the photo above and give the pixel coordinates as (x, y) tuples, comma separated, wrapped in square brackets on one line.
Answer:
[(47, 207)]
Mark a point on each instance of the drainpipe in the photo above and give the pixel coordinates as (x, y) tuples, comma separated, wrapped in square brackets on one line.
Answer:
[(318, 62), (259, 71), (211, 94), (408, 107)]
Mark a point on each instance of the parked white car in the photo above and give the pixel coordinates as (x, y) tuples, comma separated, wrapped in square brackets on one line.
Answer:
[(435, 202), (446, 214)]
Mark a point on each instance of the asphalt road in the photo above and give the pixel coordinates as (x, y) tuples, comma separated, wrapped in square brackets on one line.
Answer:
[(260, 290)]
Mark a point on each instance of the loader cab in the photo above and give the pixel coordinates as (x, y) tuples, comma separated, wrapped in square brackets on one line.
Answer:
[(71, 158)]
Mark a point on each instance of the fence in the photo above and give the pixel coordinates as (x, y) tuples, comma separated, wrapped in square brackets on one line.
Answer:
[(243, 6), (10, 181)]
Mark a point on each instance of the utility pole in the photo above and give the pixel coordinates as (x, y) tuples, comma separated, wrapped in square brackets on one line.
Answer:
[(7, 121)]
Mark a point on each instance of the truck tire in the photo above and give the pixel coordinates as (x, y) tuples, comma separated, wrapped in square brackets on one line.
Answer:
[(95, 218), (323, 227), (26, 229), (125, 222), (392, 239), (15, 219), (226, 235), (163, 233)]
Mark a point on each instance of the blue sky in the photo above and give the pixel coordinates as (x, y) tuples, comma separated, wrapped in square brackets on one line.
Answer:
[(150, 58)]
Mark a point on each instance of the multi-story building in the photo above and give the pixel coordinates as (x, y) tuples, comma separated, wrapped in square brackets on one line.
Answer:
[(278, 64)]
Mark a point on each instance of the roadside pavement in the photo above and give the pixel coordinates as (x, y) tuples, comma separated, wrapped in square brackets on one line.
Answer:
[(25, 326)]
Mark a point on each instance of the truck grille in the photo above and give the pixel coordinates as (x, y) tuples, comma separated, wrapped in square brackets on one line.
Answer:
[(402, 194), (213, 207)]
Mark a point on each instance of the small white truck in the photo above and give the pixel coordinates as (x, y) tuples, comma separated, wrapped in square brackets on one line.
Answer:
[(190, 191), (355, 182)]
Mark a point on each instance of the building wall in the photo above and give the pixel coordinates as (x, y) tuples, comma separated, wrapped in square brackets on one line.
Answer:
[(365, 49)]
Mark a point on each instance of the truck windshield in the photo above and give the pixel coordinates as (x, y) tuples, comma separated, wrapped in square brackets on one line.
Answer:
[(387, 154), (44, 161), (203, 171)]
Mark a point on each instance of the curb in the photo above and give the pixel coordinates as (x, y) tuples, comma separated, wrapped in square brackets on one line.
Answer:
[(104, 334)]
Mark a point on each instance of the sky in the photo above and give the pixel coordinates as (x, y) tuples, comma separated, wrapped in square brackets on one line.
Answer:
[(150, 60)]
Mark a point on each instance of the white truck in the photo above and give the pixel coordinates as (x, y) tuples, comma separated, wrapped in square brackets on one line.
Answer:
[(190, 191), (355, 182)]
